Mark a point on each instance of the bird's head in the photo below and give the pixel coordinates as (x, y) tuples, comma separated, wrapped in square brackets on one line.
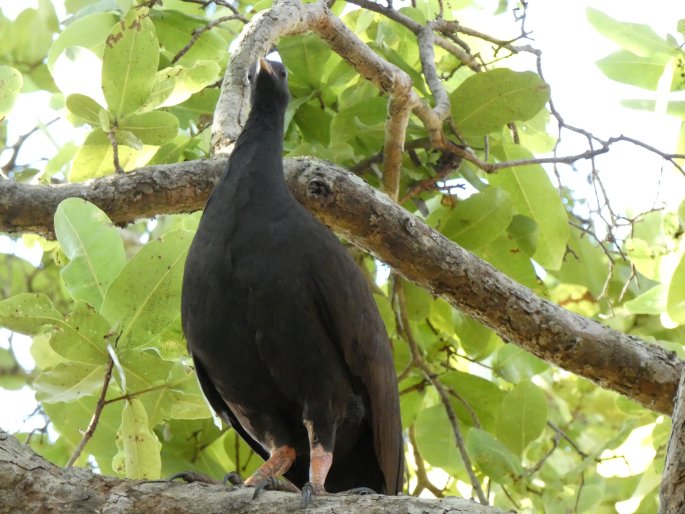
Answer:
[(268, 86)]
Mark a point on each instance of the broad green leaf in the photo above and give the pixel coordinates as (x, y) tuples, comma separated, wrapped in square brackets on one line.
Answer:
[(82, 336), (69, 381), (88, 32), (475, 396), (71, 420), (491, 456), (152, 128), (676, 294), (533, 195), (28, 313), (10, 84), (533, 133), (654, 301), (514, 364), (304, 57), (487, 101), (32, 32), (174, 29), (681, 26), (145, 296), (479, 219), (505, 255), (96, 158), (586, 264), (139, 448), (85, 108), (435, 439), (628, 68), (129, 63), (477, 340), (524, 234), (94, 248), (634, 37), (176, 84), (522, 416), (186, 445)]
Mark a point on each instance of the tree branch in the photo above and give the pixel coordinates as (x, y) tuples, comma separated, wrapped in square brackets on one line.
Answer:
[(672, 492), (644, 372), (29, 483)]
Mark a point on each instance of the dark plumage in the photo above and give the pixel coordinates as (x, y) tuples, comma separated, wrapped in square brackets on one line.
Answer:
[(287, 341)]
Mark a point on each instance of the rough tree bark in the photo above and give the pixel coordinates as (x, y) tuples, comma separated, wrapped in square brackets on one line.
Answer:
[(672, 491), (30, 484)]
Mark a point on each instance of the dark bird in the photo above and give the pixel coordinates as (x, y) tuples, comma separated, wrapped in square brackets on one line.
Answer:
[(287, 341)]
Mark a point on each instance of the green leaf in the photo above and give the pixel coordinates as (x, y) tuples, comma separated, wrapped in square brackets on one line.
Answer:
[(145, 296), (533, 195), (11, 81), (176, 84), (487, 101), (89, 32), (628, 68), (477, 340), (522, 416), (85, 108), (654, 301), (152, 128), (174, 30), (479, 219), (505, 255), (96, 157), (676, 294), (71, 420), (491, 456), (139, 448), (82, 336), (94, 248), (129, 63), (476, 397), (435, 439), (304, 57), (32, 33), (585, 265), (69, 381), (28, 313), (514, 364), (635, 37)]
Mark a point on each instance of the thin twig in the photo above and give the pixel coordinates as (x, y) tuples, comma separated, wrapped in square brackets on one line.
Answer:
[(201, 30), (422, 480), (96, 415), (404, 326)]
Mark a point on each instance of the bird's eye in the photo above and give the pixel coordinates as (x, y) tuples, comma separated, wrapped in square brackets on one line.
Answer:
[(284, 74)]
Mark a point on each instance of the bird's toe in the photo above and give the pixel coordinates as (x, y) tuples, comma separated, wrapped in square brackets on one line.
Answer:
[(274, 484), (311, 489), (192, 476)]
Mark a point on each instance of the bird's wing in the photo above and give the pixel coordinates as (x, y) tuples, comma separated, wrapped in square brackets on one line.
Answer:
[(220, 407), (352, 318)]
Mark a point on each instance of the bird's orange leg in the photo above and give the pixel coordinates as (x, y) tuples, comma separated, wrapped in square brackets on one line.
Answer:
[(320, 462), (278, 463)]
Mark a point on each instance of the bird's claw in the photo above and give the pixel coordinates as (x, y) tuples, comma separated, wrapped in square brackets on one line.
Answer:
[(233, 478), (361, 491), (310, 489), (192, 476), (274, 484)]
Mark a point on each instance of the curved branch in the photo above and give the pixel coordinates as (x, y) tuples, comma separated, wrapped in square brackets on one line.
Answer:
[(644, 372), (29, 483)]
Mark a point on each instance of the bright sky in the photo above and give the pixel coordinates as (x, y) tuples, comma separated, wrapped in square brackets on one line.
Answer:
[(583, 95)]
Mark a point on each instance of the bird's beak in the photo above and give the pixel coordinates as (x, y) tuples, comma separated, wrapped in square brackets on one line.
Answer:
[(265, 66)]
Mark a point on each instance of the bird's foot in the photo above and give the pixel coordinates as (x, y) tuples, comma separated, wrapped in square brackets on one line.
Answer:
[(361, 491), (193, 476), (233, 479), (274, 484), (309, 489)]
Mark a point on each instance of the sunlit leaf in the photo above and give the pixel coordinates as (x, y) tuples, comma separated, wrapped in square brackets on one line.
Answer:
[(129, 63), (93, 246), (491, 456), (69, 381), (139, 448), (10, 84), (521, 417), (486, 101)]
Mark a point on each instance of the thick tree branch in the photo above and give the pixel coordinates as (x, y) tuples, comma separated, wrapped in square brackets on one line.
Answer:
[(28, 483), (672, 492), (644, 372)]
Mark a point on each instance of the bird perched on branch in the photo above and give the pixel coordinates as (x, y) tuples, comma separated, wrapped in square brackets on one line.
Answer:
[(286, 338)]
